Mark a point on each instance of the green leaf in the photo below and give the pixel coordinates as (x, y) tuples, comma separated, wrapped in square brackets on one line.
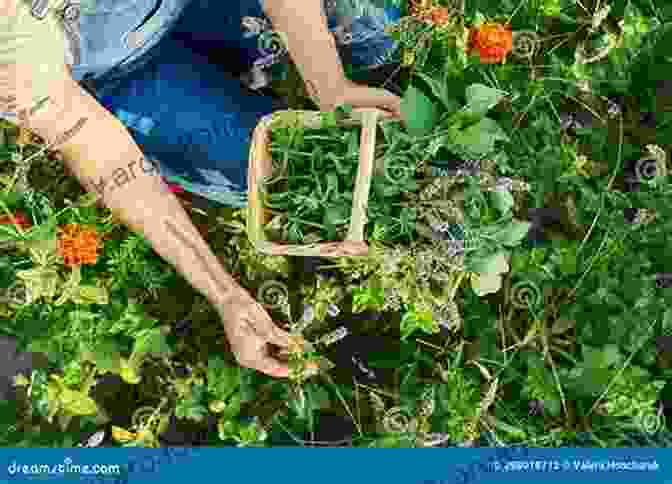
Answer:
[(488, 283), (611, 355), (419, 112), (152, 342), (336, 215), (77, 403), (553, 406), (479, 19), (223, 379), (479, 139), (667, 321), (233, 408), (502, 201), (105, 355), (494, 264), (513, 234), (481, 99), (601, 357), (440, 90)]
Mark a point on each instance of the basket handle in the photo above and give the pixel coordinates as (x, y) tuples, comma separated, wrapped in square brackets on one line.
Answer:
[(360, 199)]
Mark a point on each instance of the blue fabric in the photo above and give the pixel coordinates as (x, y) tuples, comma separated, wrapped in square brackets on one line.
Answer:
[(193, 117), (183, 110), (117, 34), (187, 114)]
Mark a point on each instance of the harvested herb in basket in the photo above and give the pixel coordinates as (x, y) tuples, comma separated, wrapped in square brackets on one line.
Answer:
[(314, 175)]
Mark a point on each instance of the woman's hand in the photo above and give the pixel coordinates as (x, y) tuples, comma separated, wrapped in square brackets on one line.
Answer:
[(249, 330), (359, 96)]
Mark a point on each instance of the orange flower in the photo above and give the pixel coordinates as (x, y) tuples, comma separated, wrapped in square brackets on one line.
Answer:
[(492, 41), (21, 220), (78, 245), (431, 15)]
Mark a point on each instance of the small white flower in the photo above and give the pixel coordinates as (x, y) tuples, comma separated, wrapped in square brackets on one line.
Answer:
[(504, 184), (333, 310), (96, 439), (335, 336), (614, 109)]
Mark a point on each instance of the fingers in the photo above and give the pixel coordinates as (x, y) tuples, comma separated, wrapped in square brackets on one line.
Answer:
[(387, 101), (272, 333), (272, 367), (279, 337)]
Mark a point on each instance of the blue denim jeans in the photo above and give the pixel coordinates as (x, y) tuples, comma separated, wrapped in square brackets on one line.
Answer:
[(187, 114)]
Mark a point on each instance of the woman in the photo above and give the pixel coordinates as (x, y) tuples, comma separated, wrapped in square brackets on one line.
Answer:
[(70, 72)]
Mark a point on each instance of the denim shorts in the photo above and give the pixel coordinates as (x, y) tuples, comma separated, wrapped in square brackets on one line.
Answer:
[(188, 113)]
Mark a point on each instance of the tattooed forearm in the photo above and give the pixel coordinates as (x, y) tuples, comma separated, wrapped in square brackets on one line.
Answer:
[(69, 134), (218, 286), (122, 176), (10, 104)]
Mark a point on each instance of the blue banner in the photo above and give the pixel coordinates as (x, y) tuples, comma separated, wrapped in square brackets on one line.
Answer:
[(336, 466)]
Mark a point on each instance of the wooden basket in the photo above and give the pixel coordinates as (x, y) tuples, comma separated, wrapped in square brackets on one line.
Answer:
[(260, 167)]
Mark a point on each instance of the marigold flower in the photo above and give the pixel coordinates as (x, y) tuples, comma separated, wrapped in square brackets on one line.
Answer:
[(21, 218), (432, 15), (492, 41), (78, 245)]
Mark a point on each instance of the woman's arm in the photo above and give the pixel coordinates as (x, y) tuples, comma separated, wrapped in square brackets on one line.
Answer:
[(303, 26), (102, 154)]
